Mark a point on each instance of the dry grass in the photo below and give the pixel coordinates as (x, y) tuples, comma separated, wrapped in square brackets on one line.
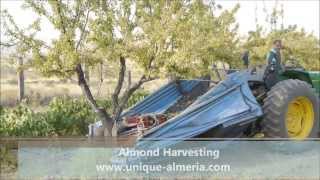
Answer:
[(40, 90)]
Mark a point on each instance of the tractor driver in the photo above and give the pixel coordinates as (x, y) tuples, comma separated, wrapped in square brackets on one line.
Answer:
[(274, 67)]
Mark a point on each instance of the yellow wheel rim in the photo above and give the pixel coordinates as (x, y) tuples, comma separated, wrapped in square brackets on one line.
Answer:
[(299, 118)]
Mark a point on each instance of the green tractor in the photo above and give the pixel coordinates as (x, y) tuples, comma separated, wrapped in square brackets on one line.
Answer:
[(244, 104), (291, 106)]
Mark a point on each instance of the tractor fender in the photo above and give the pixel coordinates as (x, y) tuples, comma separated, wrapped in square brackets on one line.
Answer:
[(296, 74)]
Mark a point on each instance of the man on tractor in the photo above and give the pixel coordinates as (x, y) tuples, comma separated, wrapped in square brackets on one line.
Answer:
[(245, 59), (273, 64)]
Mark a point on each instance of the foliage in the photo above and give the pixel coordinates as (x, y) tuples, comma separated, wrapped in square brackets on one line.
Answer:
[(65, 52), (63, 117), (298, 46), (69, 116), (166, 37), (137, 97), (22, 121), (203, 38)]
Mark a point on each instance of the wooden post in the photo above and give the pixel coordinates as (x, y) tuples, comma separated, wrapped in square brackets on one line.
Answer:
[(86, 72), (20, 74)]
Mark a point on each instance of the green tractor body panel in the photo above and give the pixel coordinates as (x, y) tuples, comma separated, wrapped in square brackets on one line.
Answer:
[(315, 77), (311, 77)]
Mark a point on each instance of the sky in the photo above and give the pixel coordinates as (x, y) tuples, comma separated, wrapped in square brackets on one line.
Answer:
[(303, 13)]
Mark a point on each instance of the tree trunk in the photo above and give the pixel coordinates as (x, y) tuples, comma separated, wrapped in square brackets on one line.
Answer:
[(106, 120), (117, 109), (126, 95), (101, 72), (129, 80), (20, 79)]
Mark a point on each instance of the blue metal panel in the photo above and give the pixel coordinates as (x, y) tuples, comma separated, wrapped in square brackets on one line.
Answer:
[(230, 102), (162, 99), (159, 101)]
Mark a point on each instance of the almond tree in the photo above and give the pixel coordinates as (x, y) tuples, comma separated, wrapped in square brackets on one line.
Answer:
[(160, 37)]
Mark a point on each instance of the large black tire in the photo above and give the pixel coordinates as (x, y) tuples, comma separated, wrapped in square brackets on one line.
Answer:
[(276, 106)]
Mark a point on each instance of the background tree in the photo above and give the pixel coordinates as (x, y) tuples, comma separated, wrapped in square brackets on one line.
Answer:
[(64, 57), (17, 44), (300, 46), (202, 38)]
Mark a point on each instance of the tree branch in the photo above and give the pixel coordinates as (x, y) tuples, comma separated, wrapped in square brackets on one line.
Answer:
[(117, 90), (78, 12), (133, 88), (83, 29), (5, 44), (103, 116), (128, 93), (59, 10), (58, 71), (129, 79), (39, 8)]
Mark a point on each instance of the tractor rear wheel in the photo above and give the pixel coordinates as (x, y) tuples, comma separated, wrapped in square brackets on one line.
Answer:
[(291, 110)]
